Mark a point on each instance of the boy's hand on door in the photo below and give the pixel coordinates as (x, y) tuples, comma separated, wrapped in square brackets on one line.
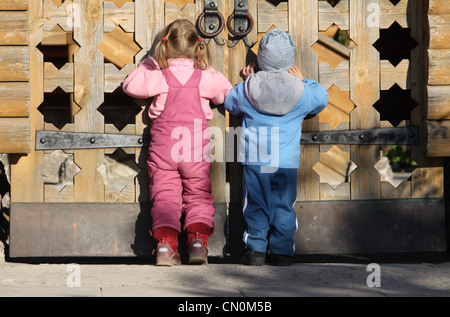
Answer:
[(247, 70), (296, 72)]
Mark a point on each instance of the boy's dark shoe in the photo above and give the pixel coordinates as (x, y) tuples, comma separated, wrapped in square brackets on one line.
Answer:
[(281, 260), (253, 258)]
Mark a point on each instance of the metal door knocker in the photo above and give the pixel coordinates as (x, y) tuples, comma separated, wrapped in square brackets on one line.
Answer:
[(214, 22), (243, 23)]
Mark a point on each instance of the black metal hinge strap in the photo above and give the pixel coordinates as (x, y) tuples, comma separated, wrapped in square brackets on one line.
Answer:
[(59, 140), (394, 136)]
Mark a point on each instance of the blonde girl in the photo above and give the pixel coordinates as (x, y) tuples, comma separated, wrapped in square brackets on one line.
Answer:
[(182, 83)]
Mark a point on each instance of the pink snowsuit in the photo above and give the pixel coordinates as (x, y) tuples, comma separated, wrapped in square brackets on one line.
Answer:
[(177, 166)]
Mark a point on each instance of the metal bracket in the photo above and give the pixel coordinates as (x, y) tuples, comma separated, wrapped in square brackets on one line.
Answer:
[(214, 22), (243, 23), (61, 140), (394, 136), (58, 140)]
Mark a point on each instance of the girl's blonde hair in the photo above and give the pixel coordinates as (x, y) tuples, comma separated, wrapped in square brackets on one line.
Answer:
[(180, 40)]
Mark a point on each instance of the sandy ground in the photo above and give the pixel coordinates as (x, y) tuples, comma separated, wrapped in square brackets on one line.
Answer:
[(138, 278)]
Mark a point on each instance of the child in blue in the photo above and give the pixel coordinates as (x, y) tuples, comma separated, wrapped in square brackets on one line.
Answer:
[(273, 102)]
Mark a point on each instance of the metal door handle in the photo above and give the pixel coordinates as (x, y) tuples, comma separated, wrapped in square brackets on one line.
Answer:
[(243, 23), (214, 22)]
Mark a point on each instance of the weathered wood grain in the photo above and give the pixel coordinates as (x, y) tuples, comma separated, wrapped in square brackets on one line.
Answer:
[(14, 63), (13, 27), (26, 182), (438, 138), (14, 5), (89, 95), (438, 103), (15, 135), (364, 92), (15, 99)]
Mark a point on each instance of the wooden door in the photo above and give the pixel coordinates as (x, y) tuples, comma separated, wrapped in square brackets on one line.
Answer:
[(343, 205)]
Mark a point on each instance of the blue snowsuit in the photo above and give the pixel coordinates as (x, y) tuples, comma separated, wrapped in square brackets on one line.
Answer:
[(273, 106)]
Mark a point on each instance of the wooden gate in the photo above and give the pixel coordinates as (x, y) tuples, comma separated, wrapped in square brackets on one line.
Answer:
[(80, 52)]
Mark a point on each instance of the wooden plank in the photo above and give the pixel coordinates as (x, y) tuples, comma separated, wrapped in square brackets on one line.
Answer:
[(339, 76), (123, 16), (427, 182), (13, 28), (341, 192), (272, 15), (26, 182), (338, 15), (126, 195), (14, 63), (389, 13), (364, 92), (438, 138), (65, 15), (217, 123), (402, 191), (53, 195), (14, 5), (438, 7), (15, 135), (438, 103), (238, 57), (390, 74), (439, 31), (88, 229), (89, 95), (15, 99), (419, 76), (149, 20), (114, 76), (366, 226), (54, 77), (171, 12), (439, 67), (304, 29)]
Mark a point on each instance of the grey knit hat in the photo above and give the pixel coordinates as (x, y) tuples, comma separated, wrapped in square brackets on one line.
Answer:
[(276, 51)]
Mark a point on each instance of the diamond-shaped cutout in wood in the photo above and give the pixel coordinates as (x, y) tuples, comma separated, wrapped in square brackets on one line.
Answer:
[(58, 108), (119, 169), (333, 3), (59, 169), (57, 3), (119, 109), (181, 3), (334, 167), (119, 47), (58, 47), (334, 46), (395, 105), (396, 165), (395, 43), (338, 108), (120, 3), (395, 2)]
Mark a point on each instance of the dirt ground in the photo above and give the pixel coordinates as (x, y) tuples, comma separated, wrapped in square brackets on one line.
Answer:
[(307, 277)]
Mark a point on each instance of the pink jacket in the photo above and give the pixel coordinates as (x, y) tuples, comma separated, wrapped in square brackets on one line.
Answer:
[(148, 81)]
